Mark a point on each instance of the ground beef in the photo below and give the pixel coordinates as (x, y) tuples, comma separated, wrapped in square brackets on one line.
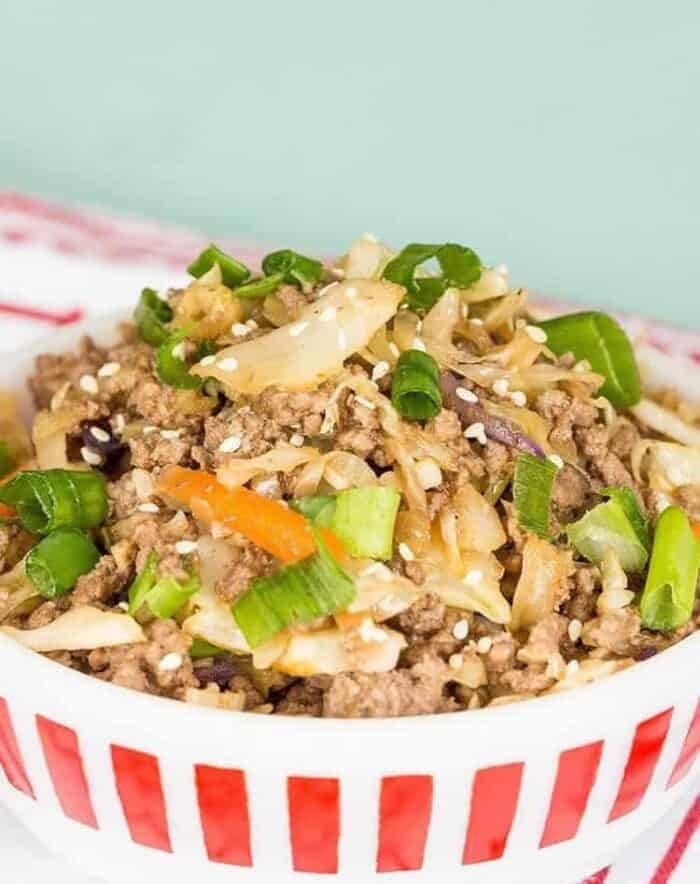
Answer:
[(151, 450), (570, 494), (544, 640), (359, 429), (250, 562), (446, 427), (584, 586), (293, 300), (52, 373), (159, 405), (425, 617), (102, 583), (302, 411), (624, 437), (257, 434), (15, 542), (564, 413), (688, 496), (501, 656), (304, 698), (616, 631), (603, 464), (530, 680), (47, 612)]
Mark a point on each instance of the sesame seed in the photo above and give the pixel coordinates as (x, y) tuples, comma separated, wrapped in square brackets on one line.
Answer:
[(466, 395), (123, 606), (367, 404), (375, 568), (342, 340), (147, 430), (380, 370), (583, 365), (476, 321), (473, 578), (119, 422), (108, 370), (99, 434), (148, 508), (90, 456), (228, 364), (556, 460), (369, 632), (538, 335), (572, 667), (500, 387), (170, 663), (394, 350), (520, 323), (185, 547), (207, 360), (239, 330), (575, 629), (456, 661), (461, 630), (419, 345), (484, 645), (252, 324), (351, 292), (296, 329), (297, 440), (230, 444), (406, 552), (476, 431), (328, 314), (170, 434), (179, 351), (89, 384), (518, 398)]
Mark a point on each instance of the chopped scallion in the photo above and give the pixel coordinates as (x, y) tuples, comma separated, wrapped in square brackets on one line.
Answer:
[(48, 499), (233, 273), (162, 597), (151, 316), (616, 525), (56, 562), (460, 266), (201, 648), (261, 288), (532, 493), (143, 583), (318, 508), (294, 268), (172, 369), (415, 389)]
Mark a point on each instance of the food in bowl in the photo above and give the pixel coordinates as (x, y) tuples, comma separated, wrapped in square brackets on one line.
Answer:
[(372, 488)]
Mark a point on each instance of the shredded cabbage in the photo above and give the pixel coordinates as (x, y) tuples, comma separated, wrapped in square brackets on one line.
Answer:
[(663, 421), (666, 465), (283, 459), (542, 582), (81, 629)]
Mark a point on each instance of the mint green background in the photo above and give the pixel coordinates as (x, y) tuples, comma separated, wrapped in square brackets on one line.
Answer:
[(561, 137)]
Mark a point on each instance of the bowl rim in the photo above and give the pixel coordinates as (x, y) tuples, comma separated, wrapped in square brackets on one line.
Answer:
[(128, 705)]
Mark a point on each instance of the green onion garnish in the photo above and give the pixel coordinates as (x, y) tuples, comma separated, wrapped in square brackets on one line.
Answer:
[(261, 288), (668, 597), (50, 499), (460, 266), (151, 317), (201, 648), (233, 273), (415, 389), (532, 493), (164, 597), (616, 525), (56, 562), (7, 463), (295, 269), (298, 593), (172, 369), (597, 338), (363, 518), (144, 582)]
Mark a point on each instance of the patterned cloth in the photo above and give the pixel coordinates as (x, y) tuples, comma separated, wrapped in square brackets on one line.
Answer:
[(58, 265)]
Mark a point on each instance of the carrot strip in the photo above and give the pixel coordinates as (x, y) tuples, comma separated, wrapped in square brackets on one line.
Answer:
[(696, 529), (268, 523), (6, 512)]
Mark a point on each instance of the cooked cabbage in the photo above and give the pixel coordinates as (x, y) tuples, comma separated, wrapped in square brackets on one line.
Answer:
[(81, 629), (542, 582)]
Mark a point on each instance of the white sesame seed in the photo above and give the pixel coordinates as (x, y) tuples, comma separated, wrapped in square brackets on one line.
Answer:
[(207, 360), (179, 350), (342, 340), (461, 630), (475, 431), (170, 663), (583, 365), (296, 329), (148, 429), (297, 440), (466, 395), (419, 345), (556, 460), (170, 434), (228, 364), (406, 552), (572, 667), (148, 508), (518, 398), (239, 330), (380, 370), (99, 434), (473, 578), (89, 384), (90, 456), (252, 324), (369, 632), (185, 547), (328, 314), (119, 422), (575, 628), (500, 387), (123, 606), (108, 370), (538, 335), (476, 321), (367, 404), (351, 292), (377, 568), (456, 661), (394, 350), (484, 645), (520, 323), (230, 444)]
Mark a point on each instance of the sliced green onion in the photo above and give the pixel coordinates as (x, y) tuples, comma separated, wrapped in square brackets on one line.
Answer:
[(205, 348), (319, 508), (151, 317), (598, 339), (48, 499), (172, 369), (668, 597), (415, 389), (532, 493), (56, 562), (233, 273), (201, 648), (7, 463), (162, 597), (298, 593), (295, 269), (615, 526), (144, 582), (260, 288), (460, 266), (627, 499)]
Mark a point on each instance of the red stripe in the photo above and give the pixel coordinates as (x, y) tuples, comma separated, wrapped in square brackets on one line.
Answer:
[(223, 809), (137, 777), (576, 775), (689, 752), (494, 801), (405, 806), (65, 764), (648, 742), (314, 823), (52, 317), (679, 845), (599, 878), (10, 756)]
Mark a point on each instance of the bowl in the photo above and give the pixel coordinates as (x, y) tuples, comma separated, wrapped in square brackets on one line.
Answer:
[(132, 787)]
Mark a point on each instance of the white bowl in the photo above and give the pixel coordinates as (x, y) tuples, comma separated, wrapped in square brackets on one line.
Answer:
[(136, 788)]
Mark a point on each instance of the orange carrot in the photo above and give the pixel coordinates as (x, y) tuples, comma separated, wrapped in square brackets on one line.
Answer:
[(268, 523), (6, 512), (696, 529)]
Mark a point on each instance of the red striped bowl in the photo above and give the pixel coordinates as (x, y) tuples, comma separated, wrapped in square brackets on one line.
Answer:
[(132, 787)]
